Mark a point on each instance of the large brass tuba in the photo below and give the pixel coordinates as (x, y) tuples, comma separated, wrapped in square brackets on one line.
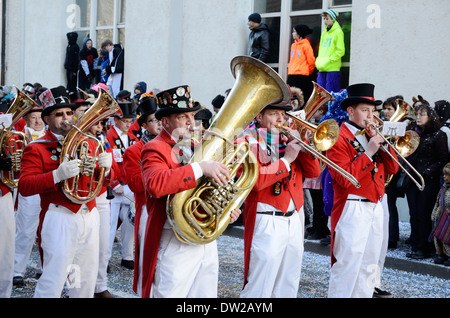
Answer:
[(200, 215), (12, 143), (76, 146)]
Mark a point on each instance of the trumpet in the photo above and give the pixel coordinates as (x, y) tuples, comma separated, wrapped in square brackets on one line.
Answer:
[(321, 157), (407, 145)]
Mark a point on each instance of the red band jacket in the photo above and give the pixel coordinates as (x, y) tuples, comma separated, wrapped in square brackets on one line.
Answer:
[(163, 175), (348, 154), (276, 186)]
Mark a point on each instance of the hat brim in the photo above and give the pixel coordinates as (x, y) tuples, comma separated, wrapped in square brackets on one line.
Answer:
[(280, 107), (143, 117), (49, 109), (167, 111), (351, 101)]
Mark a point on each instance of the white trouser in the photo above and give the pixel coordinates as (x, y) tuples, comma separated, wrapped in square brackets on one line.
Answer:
[(120, 207), (185, 271), (70, 243), (27, 222), (7, 230), (357, 248), (385, 243), (104, 211), (140, 245), (114, 82), (275, 256)]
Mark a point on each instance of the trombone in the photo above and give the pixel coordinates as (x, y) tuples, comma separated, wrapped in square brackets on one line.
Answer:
[(316, 153), (407, 143)]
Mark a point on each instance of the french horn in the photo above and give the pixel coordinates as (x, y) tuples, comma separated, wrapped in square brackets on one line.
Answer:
[(13, 143), (77, 145), (200, 215)]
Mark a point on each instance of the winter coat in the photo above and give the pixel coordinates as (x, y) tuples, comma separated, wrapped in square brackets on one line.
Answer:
[(331, 50), (72, 52), (431, 155), (302, 60), (88, 59), (258, 45)]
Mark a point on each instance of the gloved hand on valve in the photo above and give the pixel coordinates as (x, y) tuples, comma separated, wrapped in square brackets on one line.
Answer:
[(105, 161), (66, 170)]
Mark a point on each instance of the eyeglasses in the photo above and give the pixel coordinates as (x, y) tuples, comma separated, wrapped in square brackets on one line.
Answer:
[(153, 121), (61, 114)]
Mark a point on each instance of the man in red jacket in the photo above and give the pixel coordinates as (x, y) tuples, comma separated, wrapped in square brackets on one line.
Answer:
[(171, 268), (133, 169), (273, 212), (120, 138), (68, 232), (357, 213)]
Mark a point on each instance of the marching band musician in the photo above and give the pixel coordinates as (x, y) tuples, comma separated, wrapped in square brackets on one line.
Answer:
[(357, 214), (68, 232), (28, 208), (7, 232), (273, 212), (170, 267), (120, 138), (104, 212), (133, 170)]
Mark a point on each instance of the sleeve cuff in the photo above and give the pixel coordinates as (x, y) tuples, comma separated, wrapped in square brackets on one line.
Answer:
[(198, 173)]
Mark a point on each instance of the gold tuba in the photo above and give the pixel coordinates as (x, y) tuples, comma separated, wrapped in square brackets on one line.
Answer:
[(76, 146), (200, 215), (12, 143)]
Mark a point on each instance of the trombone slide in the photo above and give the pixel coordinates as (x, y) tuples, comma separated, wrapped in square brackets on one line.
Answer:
[(322, 158)]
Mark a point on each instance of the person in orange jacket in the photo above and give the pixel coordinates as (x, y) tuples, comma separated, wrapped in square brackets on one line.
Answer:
[(302, 61)]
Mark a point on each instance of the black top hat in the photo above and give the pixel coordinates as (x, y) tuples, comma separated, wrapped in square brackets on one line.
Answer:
[(124, 95), (128, 110), (175, 101), (218, 101), (284, 107), (57, 99), (78, 98), (360, 93), (147, 106)]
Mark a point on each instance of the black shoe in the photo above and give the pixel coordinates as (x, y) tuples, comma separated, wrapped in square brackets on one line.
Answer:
[(127, 264), (103, 294), (440, 259), (18, 281), (417, 255), (326, 241), (315, 236), (378, 293), (447, 262)]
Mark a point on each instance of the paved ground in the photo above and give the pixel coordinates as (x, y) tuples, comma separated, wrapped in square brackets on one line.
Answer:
[(402, 277)]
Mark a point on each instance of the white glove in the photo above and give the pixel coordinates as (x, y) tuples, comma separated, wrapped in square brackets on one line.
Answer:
[(66, 170), (105, 160)]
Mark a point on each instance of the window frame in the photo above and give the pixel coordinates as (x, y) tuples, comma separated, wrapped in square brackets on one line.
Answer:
[(286, 16)]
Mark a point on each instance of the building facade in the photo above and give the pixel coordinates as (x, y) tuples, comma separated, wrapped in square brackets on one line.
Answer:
[(396, 45)]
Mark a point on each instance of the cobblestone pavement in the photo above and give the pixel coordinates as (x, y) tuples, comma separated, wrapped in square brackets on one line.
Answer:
[(314, 279)]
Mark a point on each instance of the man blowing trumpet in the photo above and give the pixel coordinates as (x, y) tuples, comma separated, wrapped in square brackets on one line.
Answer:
[(357, 214)]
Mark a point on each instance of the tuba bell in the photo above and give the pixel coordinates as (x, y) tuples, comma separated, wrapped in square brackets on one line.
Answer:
[(200, 215), (76, 146), (13, 143)]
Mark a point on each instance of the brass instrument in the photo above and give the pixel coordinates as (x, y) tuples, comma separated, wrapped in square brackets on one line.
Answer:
[(76, 146), (200, 215), (405, 145), (13, 143), (322, 157), (408, 143), (318, 98)]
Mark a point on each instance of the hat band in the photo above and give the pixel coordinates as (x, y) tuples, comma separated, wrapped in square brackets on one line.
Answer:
[(367, 97)]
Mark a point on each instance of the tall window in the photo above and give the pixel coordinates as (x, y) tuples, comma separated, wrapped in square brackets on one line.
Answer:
[(282, 15), (101, 20)]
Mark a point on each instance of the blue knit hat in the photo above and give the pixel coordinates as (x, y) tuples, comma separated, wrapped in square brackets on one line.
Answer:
[(333, 14)]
